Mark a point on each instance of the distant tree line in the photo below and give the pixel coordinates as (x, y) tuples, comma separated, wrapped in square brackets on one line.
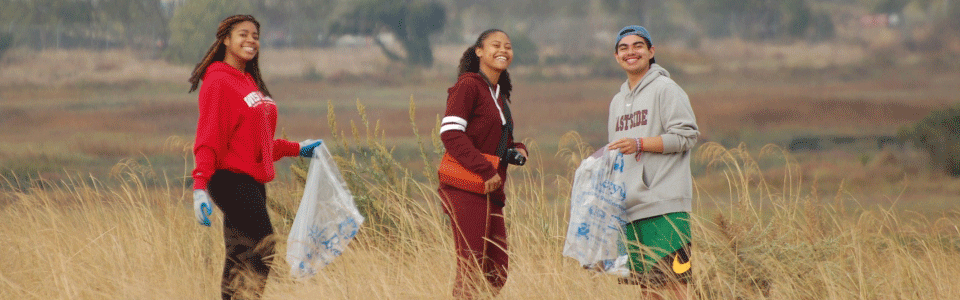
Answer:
[(179, 29), (82, 23)]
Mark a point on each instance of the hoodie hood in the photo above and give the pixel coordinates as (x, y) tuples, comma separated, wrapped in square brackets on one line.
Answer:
[(652, 74), (222, 68), (472, 75)]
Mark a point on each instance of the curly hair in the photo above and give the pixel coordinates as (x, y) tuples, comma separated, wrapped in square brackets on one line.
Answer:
[(470, 62)]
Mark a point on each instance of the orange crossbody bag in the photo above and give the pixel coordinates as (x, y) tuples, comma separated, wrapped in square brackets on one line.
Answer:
[(453, 174)]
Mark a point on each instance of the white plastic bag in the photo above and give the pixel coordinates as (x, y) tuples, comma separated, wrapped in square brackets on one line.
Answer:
[(327, 218), (596, 213)]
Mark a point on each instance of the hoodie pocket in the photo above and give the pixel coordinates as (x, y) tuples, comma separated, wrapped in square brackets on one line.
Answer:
[(644, 179)]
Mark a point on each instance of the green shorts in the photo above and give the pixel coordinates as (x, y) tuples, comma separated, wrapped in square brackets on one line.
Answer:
[(659, 248)]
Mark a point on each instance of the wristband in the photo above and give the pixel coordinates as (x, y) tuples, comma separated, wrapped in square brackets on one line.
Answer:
[(639, 148)]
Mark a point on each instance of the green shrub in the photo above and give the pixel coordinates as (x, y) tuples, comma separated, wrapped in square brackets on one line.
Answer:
[(938, 134), (381, 183), (525, 51), (411, 22)]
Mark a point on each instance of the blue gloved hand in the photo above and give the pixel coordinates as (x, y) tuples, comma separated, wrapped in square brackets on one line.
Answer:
[(202, 208), (307, 146)]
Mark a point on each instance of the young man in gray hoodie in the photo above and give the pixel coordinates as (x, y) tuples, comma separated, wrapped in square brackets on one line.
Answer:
[(651, 119)]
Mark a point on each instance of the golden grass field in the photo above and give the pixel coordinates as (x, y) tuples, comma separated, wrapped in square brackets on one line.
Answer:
[(94, 199), (78, 239)]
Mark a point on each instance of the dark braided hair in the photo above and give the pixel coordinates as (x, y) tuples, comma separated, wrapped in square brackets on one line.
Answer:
[(469, 62), (218, 51)]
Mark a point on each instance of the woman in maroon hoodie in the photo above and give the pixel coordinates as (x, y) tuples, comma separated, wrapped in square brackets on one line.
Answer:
[(476, 119), (235, 150)]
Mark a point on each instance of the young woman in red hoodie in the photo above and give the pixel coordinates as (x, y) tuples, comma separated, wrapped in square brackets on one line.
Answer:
[(235, 150), (476, 118)]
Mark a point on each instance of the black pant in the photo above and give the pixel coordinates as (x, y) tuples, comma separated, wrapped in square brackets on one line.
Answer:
[(246, 228)]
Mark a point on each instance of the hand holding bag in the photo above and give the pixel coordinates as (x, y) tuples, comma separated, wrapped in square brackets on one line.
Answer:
[(453, 174)]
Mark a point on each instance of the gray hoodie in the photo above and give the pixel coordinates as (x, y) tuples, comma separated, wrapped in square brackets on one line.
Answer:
[(659, 183)]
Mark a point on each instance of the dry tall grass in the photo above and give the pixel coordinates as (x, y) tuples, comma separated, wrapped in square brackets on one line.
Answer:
[(83, 239)]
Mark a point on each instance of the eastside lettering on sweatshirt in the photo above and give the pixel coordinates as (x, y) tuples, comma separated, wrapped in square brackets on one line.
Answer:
[(628, 121)]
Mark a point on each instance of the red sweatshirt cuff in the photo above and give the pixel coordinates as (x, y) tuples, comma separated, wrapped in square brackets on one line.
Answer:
[(283, 148), (205, 160), (200, 183), (488, 173)]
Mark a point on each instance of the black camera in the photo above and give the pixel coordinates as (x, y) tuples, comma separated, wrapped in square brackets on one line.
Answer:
[(513, 157)]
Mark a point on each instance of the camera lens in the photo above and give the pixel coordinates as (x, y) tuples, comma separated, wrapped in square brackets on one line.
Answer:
[(514, 157)]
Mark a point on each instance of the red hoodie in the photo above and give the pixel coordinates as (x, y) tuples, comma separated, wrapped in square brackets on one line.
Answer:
[(235, 128)]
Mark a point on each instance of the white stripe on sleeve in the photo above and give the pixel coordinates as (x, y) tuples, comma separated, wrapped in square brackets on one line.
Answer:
[(454, 120), (452, 127)]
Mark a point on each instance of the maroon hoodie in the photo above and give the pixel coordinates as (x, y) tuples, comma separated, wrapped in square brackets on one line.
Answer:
[(236, 127), (473, 123)]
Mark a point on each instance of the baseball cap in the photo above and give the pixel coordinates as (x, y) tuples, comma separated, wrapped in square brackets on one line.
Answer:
[(634, 30)]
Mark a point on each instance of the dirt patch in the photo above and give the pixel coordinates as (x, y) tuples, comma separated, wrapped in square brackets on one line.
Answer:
[(60, 67), (67, 67), (862, 107), (834, 113)]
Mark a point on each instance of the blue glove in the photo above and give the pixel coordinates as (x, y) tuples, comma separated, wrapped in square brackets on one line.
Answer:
[(306, 147), (202, 208)]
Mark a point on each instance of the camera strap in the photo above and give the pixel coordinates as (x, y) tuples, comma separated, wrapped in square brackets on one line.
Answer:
[(505, 109), (507, 131)]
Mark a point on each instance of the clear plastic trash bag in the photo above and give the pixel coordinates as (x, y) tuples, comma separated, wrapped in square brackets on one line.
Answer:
[(597, 198), (326, 221)]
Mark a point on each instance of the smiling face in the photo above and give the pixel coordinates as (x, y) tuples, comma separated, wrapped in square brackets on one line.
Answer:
[(634, 54), (495, 52), (242, 44)]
